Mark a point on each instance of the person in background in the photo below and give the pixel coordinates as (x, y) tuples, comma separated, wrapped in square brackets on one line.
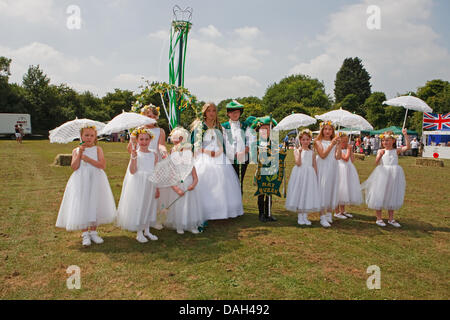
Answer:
[(415, 147), (366, 143), (372, 145), (17, 133)]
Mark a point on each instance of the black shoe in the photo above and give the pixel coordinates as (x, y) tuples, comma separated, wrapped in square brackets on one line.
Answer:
[(262, 218), (270, 219)]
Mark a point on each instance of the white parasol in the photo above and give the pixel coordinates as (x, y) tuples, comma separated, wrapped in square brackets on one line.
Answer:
[(125, 121), (173, 170), (295, 121), (409, 103), (70, 130)]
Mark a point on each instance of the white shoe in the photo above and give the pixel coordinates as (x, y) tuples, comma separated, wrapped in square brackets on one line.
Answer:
[(394, 223), (305, 219), (159, 226), (140, 237), (381, 223), (324, 222), (180, 231), (340, 216), (300, 219), (348, 215), (86, 239), (195, 231), (95, 237), (329, 217), (149, 235)]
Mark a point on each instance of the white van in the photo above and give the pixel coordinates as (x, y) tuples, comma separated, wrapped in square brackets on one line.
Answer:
[(9, 120)]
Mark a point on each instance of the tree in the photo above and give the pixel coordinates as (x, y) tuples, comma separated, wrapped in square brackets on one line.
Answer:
[(295, 93), (353, 78), (4, 69), (118, 100), (436, 93), (38, 95), (376, 111)]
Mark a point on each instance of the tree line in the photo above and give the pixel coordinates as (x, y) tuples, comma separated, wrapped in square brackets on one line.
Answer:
[(51, 105)]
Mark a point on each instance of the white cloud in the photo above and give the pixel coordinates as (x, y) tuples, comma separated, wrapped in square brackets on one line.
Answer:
[(212, 55), (34, 11), (401, 56), (248, 33), (53, 62), (216, 89), (210, 31), (131, 81), (160, 35)]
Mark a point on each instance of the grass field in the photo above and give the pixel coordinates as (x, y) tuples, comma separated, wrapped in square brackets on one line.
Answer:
[(235, 259)]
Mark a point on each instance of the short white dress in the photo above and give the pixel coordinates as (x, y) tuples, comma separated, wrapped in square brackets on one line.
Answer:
[(328, 176), (386, 185), (218, 184), (137, 205), (88, 200), (303, 193), (349, 185), (186, 212)]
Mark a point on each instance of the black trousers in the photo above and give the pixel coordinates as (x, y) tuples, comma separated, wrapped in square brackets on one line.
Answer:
[(240, 171), (415, 152), (263, 204)]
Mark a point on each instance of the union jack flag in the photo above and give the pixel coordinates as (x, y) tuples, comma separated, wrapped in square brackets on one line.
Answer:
[(434, 121)]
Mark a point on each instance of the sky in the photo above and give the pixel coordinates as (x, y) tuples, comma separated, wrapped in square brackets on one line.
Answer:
[(235, 48)]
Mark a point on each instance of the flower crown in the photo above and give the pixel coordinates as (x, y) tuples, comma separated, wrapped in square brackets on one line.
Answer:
[(89, 127), (307, 132), (139, 131), (387, 136), (326, 123), (148, 107)]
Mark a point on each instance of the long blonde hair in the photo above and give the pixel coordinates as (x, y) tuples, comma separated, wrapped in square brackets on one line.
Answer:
[(204, 109), (320, 136)]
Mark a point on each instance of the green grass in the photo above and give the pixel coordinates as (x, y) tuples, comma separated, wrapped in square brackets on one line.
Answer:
[(234, 259)]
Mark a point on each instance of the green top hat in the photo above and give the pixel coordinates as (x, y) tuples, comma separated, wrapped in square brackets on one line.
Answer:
[(258, 122), (234, 105)]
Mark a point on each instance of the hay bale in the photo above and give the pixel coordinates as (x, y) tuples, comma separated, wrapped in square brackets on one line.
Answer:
[(429, 162), (359, 156), (63, 160)]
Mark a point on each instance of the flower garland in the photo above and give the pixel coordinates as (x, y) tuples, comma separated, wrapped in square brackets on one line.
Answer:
[(138, 131), (326, 123)]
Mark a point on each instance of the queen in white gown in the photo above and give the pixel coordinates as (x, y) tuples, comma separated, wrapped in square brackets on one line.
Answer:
[(88, 200), (218, 183)]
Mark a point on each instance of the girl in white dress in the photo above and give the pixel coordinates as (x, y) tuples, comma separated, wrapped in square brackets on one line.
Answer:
[(328, 151), (138, 204), (303, 195), (385, 187), (88, 200), (349, 187), (185, 213), (157, 145), (218, 183)]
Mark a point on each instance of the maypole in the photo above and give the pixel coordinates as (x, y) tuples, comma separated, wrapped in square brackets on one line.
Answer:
[(181, 26)]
